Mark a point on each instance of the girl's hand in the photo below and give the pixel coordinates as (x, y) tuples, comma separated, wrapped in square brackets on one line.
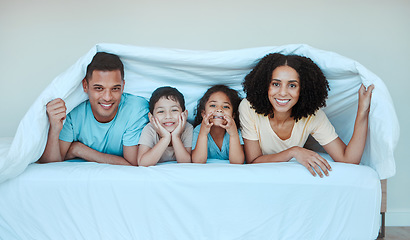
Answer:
[(312, 161), (162, 132), (365, 97), (206, 124), (230, 125), (181, 124)]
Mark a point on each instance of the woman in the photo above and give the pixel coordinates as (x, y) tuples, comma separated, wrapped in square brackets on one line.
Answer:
[(284, 95)]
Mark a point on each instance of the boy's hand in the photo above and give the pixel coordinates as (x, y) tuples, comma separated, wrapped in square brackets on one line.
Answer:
[(181, 124), (365, 97), (162, 132), (56, 112)]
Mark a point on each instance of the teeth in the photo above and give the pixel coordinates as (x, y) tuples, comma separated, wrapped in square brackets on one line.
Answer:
[(282, 101), (168, 124), (106, 105), (218, 117)]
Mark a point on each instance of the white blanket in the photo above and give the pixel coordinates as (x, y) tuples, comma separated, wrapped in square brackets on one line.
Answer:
[(192, 72)]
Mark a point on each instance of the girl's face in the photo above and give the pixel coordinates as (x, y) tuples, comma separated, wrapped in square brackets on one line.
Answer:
[(284, 89), (219, 105), (167, 111)]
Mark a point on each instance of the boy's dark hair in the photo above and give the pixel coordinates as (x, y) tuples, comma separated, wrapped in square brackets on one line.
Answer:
[(169, 93), (104, 62), (313, 84), (233, 96)]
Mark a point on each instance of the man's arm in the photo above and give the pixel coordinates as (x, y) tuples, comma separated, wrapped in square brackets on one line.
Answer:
[(56, 149), (79, 150)]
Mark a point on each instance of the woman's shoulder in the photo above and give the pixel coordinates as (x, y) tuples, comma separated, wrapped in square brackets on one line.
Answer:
[(245, 106), (244, 102)]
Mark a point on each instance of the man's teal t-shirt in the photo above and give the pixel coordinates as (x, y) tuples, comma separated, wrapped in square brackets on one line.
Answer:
[(124, 130)]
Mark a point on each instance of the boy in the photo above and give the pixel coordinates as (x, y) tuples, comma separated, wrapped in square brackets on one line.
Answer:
[(168, 136)]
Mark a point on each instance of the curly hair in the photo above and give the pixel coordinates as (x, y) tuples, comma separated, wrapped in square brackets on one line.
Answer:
[(233, 96), (313, 85)]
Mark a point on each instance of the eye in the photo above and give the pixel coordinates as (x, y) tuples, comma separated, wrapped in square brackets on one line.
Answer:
[(212, 105), (98, 88), (116, 89), (160, 111), (175, 110), (227, 107), (276, 84), (292, 85)]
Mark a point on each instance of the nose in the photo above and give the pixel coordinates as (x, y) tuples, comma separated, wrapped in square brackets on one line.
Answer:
[(283, 90), (219, 109), (107, 96)]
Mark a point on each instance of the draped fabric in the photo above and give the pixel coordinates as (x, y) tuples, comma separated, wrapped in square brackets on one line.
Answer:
[(192, 72)]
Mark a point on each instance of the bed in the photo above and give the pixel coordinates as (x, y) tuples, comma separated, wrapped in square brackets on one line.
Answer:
[(83, 200)]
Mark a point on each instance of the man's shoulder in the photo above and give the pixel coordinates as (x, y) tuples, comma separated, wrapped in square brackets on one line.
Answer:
[(132, 101), (80, 109)]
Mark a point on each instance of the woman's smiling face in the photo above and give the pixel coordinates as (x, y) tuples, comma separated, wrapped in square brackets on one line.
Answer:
[(284, 89)]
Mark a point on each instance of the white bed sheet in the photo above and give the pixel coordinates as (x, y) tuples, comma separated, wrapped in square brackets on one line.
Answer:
[(82, 200)]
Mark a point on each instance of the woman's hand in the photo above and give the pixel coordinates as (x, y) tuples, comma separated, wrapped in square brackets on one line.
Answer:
[(365, 97), (312, 161)]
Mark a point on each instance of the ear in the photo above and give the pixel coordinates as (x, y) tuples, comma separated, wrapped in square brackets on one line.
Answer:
[(149, 116), (85, 85), (203, 113), (123, 85)]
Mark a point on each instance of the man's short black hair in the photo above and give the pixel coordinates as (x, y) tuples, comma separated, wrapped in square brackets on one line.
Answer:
[(169, 93), (104, 62)]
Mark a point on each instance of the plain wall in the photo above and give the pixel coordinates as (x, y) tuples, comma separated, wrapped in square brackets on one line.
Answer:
[(40, 39)]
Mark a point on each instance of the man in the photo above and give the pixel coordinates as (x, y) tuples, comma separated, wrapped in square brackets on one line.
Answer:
[(104, 129)]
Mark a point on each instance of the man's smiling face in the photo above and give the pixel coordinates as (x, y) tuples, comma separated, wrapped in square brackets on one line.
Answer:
[(104, 90)]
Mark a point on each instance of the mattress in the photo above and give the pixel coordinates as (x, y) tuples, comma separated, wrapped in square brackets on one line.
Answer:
[(84, 200)]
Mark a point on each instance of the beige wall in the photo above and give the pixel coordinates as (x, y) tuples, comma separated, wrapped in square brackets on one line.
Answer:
[(40, 39)]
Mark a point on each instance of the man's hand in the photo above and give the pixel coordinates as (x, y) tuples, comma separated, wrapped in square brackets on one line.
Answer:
[(56, 112)]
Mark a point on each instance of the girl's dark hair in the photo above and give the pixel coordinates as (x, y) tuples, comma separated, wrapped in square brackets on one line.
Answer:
[(313, 85), (169, 93), (233, 96)]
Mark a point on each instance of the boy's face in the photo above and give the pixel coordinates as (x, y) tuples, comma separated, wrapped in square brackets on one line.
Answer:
[(168, 112), (104, 90)]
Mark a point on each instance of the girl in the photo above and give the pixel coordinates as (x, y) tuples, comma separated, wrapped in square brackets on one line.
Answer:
[(282, 108), (217, 135)]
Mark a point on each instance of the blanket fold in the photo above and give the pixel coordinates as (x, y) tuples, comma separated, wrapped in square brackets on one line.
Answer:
[(192, 72)]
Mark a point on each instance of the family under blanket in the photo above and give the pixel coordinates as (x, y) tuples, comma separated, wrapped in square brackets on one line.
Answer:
[(284, 94)]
